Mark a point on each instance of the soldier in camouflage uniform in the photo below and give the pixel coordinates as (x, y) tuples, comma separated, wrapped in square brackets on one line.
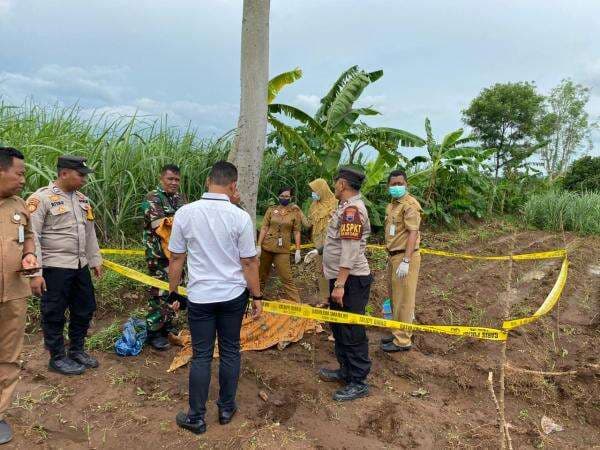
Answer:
[(159, 207)]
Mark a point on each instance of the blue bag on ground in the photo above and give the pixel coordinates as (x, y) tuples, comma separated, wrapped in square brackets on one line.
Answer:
[(386, 309), (133, 339)]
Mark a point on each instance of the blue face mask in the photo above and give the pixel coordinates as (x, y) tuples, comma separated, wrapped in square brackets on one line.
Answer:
[(284, 201), (315, 196), (397, 191)]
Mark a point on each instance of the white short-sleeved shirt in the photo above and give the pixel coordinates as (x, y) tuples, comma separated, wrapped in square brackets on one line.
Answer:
[(215, 234)]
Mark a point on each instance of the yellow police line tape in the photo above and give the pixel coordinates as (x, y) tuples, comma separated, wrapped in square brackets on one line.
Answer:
[(559, 253), (328, 315)]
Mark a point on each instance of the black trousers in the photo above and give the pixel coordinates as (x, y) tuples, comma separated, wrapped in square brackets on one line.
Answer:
[(351, 341), (70, 289), (223, 319)]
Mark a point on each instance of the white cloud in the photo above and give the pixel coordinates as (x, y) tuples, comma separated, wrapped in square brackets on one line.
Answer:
[(5, 6), (308, 102)]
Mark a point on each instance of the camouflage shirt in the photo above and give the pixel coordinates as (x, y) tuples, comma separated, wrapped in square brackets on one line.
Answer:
[(157, 206)]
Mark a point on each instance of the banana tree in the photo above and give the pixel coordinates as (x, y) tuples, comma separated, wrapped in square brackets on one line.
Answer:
[(336, 128)]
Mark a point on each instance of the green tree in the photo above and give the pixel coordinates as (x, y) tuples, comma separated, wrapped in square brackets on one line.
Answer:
[(336, 130), (506, 117), (583, 175), (566, 126)]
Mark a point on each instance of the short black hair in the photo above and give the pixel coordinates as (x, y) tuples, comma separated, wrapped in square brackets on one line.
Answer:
[(223, 173), (397, 173), (284, 189), (169, 168), (6, 157)]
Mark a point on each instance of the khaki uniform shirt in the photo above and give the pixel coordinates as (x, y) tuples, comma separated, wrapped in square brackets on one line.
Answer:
[(64, 227), (281, 223), (346, 239), (13, 216), (401, 216)]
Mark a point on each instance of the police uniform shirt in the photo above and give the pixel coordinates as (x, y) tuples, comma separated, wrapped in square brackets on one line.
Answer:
[(64, 227), (346, 239), (401, 216), (15, 228)]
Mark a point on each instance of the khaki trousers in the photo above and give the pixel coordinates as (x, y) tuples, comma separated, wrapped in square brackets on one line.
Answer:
[(284, 270), (12, 330), (403, 291), (323, 283)]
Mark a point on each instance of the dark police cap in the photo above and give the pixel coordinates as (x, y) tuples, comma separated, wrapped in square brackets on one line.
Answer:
[(74, 162), (351, 174)]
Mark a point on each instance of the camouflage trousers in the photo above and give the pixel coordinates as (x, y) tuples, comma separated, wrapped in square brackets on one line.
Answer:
[(159, 319)]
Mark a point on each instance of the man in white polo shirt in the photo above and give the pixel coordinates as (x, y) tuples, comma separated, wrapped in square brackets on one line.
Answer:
[(219, 240)]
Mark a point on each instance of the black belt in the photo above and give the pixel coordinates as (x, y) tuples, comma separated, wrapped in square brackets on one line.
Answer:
[(398, 252)]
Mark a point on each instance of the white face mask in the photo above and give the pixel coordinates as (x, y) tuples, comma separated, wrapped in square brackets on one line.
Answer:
[(315, 196)]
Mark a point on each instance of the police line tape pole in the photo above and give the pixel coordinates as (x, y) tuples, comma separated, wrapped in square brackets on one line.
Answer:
[(328, 315), (559, 253)]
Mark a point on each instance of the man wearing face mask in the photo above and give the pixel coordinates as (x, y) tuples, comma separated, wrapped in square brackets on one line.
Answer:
[(158, 208), (402, 238), (63, 222)]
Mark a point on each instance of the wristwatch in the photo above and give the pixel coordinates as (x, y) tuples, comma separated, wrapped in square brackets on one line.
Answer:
[(406, 260), (338, 285)]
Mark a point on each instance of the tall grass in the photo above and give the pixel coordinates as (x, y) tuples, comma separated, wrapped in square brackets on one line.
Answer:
[(555, 210), (126, 152)]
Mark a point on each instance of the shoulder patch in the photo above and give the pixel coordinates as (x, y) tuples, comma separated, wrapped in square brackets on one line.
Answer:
[(32, 204), (351, 224)]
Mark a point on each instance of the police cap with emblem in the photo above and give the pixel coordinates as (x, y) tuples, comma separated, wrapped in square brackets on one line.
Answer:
[(351, 175), (74, 162)]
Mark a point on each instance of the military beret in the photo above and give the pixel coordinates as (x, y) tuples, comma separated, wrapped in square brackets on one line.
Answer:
[(74, 162), (351, 174)]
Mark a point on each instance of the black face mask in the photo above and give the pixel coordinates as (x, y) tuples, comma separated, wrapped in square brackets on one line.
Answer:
[(284, 201)]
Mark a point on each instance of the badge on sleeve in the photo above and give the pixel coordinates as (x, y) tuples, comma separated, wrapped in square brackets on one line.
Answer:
[(350, 224), (32, 204)]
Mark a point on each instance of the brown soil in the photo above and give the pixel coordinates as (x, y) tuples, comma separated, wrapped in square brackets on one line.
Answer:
[(432, 397)]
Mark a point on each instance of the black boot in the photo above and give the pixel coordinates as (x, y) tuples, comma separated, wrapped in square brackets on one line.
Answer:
[(195, 426), (352, 391), (159, 342), (332, 375), (83, 358), (6, 433), (65, 366)]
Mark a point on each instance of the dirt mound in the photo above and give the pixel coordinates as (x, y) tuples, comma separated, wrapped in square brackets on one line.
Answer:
[(432, 397)]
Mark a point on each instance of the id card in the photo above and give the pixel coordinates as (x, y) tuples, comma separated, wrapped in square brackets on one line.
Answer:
[(280, 242), (21, 234), (392, 229)]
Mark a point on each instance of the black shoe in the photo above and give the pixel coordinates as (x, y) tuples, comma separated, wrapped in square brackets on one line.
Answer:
[(226, 416), (387, 340), (160, 343), (195, 426), (390, 347), (83, 358), (6, 433), (65, 366), (331, 375), (352, 391)]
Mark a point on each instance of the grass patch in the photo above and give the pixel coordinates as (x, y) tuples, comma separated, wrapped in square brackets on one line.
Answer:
[(570, 211)]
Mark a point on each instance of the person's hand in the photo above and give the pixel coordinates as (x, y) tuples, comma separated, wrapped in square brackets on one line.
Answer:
[(97, 271), (337, 295), (297, 257), (256, 309), (29, 262), (258, 251), (235, 198), (175, 305), (402, 270), (310, 256), (38, 286)]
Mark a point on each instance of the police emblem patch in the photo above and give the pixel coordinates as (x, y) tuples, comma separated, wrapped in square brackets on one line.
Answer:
[(32, 204), (351, 225)]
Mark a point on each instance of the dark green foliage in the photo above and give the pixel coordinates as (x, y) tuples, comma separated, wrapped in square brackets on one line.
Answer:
[(583, 175)]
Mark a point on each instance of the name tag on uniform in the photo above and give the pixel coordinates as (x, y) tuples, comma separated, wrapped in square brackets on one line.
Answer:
[(280, 242), (393, 229), (21, 234)]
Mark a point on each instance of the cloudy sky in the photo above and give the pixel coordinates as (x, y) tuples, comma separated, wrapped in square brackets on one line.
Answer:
[(181, 57)]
